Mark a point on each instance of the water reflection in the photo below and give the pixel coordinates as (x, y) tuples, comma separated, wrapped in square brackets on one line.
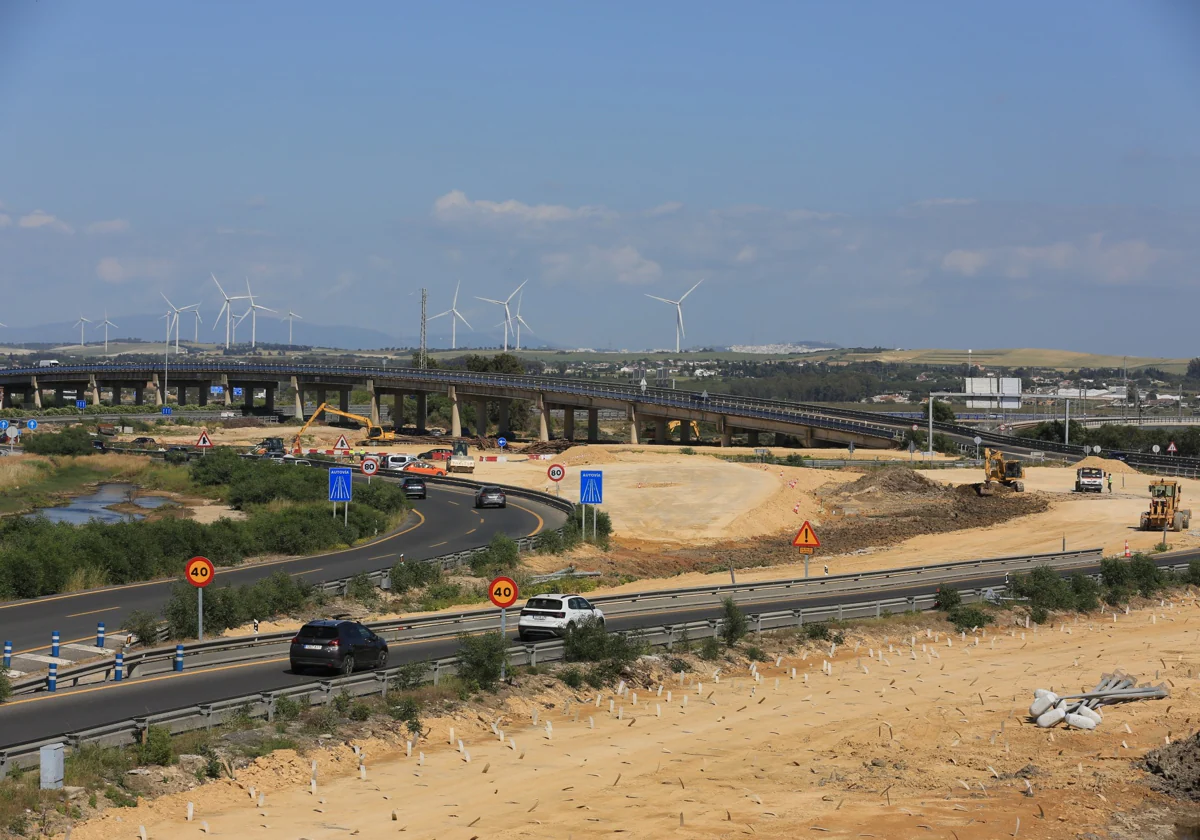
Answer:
[(96, 506)]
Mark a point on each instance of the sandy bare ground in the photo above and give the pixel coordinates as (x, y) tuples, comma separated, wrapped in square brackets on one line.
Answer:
[(909, 736)]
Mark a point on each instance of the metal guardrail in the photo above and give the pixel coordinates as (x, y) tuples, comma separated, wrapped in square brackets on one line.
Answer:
[(448, 624), (262, 704)]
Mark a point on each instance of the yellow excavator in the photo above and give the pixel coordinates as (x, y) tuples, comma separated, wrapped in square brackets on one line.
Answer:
[(1165, 512), (375, 434), (1000, 470), (674, 424)]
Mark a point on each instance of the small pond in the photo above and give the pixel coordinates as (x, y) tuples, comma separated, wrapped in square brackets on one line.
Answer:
[(97, 506)]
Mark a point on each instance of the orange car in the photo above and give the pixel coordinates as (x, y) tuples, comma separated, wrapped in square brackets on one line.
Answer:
[(423, 468)]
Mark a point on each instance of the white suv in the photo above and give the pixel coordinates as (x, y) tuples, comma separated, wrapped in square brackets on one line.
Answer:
[(555, 615)]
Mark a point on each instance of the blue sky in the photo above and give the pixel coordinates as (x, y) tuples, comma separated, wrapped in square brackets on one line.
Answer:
[(931, 174)]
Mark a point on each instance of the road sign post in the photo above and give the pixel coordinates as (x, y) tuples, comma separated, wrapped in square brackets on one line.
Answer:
[(806, 541), (591, 492), (502, 442), (503, 593), (341, 488), (556, 473), (199, 572)]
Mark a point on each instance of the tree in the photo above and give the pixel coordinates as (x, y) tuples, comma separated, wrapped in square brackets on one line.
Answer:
[(1193, 369), (942, 412)]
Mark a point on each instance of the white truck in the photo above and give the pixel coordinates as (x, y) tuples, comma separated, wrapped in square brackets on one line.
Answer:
[(1089, 480), (460, 461)]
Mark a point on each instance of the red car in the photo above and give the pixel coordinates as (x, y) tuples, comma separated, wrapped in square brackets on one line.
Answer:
[(436, 455)]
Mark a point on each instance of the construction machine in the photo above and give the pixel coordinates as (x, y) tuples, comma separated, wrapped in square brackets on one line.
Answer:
[(460, 461), (375, 434), (268, 446), (1165, 496), (674, 424), (999, 470)]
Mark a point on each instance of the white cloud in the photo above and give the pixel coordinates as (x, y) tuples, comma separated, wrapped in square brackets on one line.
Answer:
[(966, 263), (623, 264), (108, 226), (5, 220), (748, 254), (942, 202), (42, 219), (454, 206), (665, 209), (802, 215), (122, 270)]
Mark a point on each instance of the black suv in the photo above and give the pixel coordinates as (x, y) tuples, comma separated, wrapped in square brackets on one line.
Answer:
[(413, 487), (337, 646)]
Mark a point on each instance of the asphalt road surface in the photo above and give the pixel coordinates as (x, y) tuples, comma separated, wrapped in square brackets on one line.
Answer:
[(444, 523)]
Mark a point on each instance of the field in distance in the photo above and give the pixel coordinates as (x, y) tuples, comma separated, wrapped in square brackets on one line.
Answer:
[(1010, 358)]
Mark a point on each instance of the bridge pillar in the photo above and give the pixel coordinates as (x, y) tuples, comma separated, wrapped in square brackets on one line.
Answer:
[(374, 401), (634, 419), (502, 428), (298, 398), (726, 432), (685, 432), (543, 419), (226, 393), (202, 394), (270, 399), (248, 397), (422, 419), (398, 408), (320, 402), (455, 417), (752, 438), (344, 400), (94, 388), (37, 394), (139, 395), (118, 392), (158, 394), (660, 431), (568, 422), (182, 390), (6, 401), (58, 396), (481, 423), (593, 425)]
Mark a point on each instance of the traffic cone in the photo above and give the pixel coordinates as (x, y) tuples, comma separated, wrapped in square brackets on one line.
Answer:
[(1127, 554)]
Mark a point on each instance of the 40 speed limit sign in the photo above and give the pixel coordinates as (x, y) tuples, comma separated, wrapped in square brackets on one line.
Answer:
[(503, 592), (556, 472)]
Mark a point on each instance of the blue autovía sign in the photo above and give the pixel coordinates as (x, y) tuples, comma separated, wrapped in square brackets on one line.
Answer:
[(341, 484), (591, 487)]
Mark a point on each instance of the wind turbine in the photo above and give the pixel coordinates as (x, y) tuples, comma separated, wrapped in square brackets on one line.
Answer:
[(199, 321), (177, 310), (520, 322), (678, 304), (237, 319), (80, 324), (455, 317), (106, 324), (507, 314), (288, 317), (253, 312), (226, 309)]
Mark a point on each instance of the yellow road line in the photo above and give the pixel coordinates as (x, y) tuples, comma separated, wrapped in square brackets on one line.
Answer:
[(93, 612), (541, 523), (435, 545), (47, 647), (126, 586), (472, 531), (306, 572), (380, 557), (451, 501)]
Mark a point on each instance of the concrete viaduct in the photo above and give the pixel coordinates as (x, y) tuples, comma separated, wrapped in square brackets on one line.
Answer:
[(643, 408)]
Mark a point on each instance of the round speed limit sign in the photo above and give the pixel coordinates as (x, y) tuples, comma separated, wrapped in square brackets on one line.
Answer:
[(503, 592), (369, 466), (199, 572), (556, 472)]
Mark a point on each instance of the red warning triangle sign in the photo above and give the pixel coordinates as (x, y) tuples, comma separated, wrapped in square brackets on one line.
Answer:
[(342, 443), (205, 442), (807, 537), (1172, 448)]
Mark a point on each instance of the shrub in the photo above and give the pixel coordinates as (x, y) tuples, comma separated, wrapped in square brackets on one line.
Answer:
[(947, 598), (733, 622), (143, 625), (407, 710), (480, 658), (818, 631), (1038, 614), (572, 676), (603, 673), (361, 589), (286, 708), (683, 643), (73, 440), (756, 654), (710, 648), (1192, 575), (414, 575), (156, 747), (323, 720), (359, 711), (964, 618), (590, 642), (5, 687), (550, 542), (1086, 592), (409, 676), (501, 555), (1044, 588)]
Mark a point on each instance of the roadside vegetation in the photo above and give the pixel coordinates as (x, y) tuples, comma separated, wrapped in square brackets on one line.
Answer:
[(285, 509)]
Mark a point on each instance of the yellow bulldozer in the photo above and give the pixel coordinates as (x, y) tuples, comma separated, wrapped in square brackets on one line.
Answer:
[(674, 424), (999, 470), (375, 434), (1165, 496)]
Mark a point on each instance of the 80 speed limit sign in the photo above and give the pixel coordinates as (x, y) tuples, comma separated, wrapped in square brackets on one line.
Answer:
[(556, 472), (369, 466)]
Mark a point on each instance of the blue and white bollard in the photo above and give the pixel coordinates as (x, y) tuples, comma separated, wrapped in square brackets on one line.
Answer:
[(52, 680), (99, 634), (119, 667), (7, 655), (54, 643), (178, 657)]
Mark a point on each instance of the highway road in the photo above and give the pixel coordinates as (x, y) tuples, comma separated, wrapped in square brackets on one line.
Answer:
[(444, 523), (45, 715)]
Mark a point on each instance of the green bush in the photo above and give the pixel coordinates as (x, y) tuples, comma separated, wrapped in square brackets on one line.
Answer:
[(1038, 614), (156, 747), (359, 711), (550, 542), (73, 440), (409, 676), (5, 687), (233, 606), (360, 589), (818, 631), (1123, 578), (733, 622), (756, 654), (710, 648), (602, 674), (341, 702), (414, 575), (1192, 575), (947, 598), (1086, 592), (964, 618), (1044, 588), (143, 625), (407, 710), (590, 642), (480, 658), (287, 708), (572, 676), (501, 555)]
